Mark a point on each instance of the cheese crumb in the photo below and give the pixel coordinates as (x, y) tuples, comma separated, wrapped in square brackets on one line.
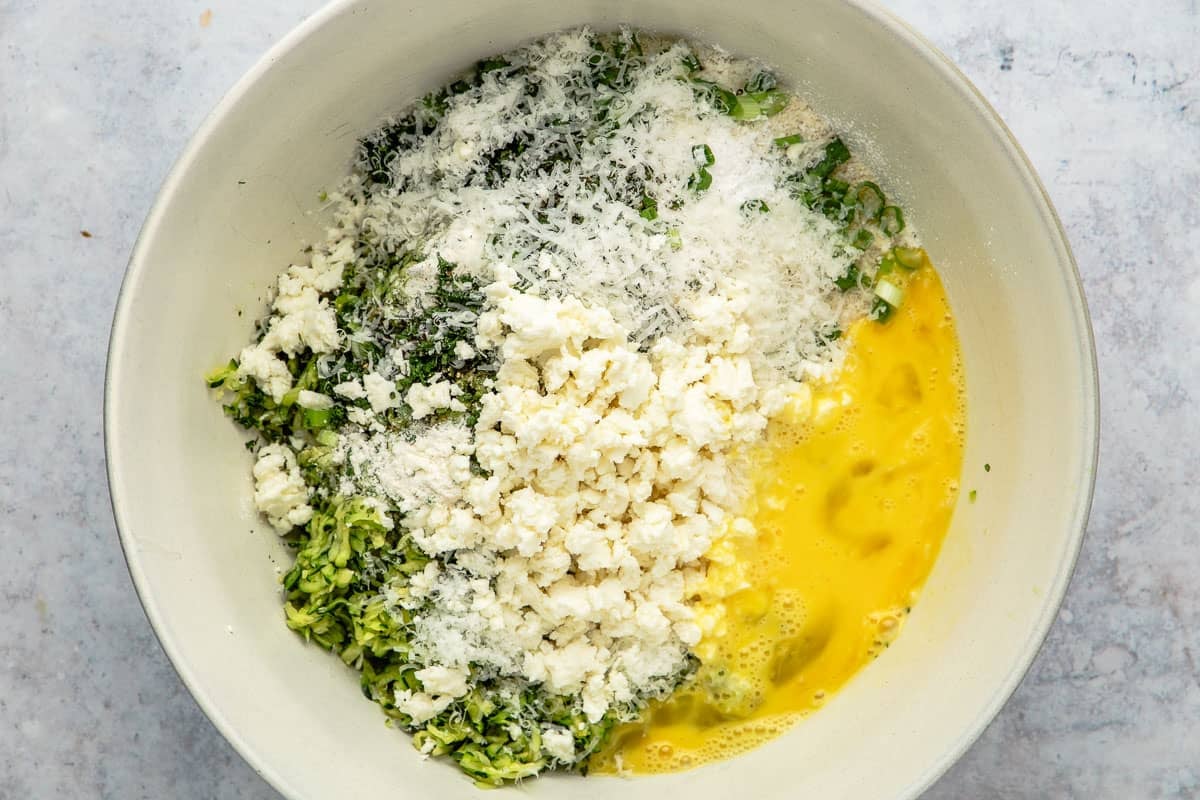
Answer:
[(279, 488), (380, 392), (558, 743), (573, 579)]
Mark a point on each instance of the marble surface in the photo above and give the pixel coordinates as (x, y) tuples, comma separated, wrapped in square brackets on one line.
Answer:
[(97, 98)]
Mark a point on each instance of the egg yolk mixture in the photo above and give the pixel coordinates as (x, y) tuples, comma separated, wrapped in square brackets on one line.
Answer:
[(853, 497)]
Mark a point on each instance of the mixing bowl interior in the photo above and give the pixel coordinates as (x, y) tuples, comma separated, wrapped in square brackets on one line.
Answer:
[(242, 202)]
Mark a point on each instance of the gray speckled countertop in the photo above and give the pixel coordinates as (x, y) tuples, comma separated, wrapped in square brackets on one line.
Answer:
[(96, 100)]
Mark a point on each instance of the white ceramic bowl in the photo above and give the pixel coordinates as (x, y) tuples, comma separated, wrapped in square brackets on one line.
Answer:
[(236, 210)]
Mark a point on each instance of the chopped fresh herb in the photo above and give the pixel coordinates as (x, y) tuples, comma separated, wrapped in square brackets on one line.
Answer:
[(430, 341), (491, 64), (987, 467), (701, 180), (704, 158), (649, 209), (972, 495), (755, 207)]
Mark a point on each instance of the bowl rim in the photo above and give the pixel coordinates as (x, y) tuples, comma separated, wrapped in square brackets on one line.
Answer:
[(872, 11)]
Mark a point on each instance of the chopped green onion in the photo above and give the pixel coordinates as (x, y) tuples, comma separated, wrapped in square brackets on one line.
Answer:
[(703, 155), (771, 102), (701, 180), (756, 105), (889, 292), (834, 209), (887, 264), (835, 188), (749, 106), (909, 257), (674, 239), (849, 280), (761, 82), (862, 240), (751, 206), (870, 201), (746, 109), (788, 141), (836, 154), (891, 220), (637, 45), (725, 100), (880, 310), (722, 99)]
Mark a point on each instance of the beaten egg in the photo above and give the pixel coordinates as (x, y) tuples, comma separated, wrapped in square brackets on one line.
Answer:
[(853, 496)]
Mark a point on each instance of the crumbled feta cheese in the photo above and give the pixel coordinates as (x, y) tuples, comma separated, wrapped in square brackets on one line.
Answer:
[(444, 680), (558, 743), (425, 400), (381, 393), (279, 488), (463, 351), (313, 400), (420, 706), (573, 579), (351, 390), (266, 368)]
